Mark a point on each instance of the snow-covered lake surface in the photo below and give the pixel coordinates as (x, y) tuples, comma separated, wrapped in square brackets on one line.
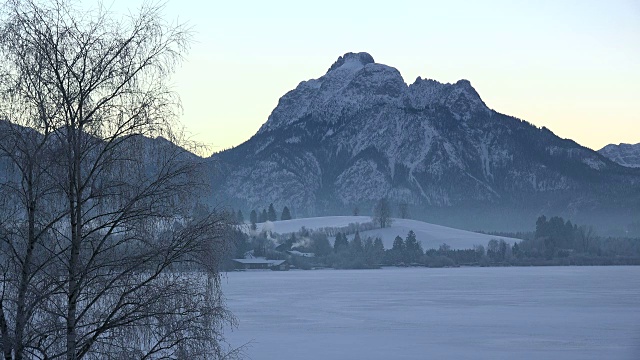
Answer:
[(430, 235), (420, 313)]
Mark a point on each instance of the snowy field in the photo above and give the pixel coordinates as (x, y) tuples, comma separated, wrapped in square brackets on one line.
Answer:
[(431, 235), (420, 313)]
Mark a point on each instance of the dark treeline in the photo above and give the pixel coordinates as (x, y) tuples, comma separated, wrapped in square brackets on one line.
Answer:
[(559, 242)]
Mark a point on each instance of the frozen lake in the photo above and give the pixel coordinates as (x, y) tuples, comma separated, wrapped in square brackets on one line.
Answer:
[(420, 313)]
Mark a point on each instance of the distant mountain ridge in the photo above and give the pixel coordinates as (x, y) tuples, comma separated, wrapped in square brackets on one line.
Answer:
[(624, 154), (360, 133), (155, 152)]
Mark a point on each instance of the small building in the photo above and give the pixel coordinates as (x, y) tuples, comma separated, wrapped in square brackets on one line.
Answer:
[(261, 264)]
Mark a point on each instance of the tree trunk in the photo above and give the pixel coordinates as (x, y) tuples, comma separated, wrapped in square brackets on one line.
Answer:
[(75, 199), (21, 315), (4, 330)]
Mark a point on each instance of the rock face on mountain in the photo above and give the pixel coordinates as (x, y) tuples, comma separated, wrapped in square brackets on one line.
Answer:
[(360, 133), (624, 154)]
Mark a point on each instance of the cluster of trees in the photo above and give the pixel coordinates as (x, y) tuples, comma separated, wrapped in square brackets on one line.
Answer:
[(560, 241), (407, 251), (96, 216), (367, 253), (552, 238), (445, 256), (241, 244), (265, 215), (557, 234), (382, 212), (357, 253), (499, 250)]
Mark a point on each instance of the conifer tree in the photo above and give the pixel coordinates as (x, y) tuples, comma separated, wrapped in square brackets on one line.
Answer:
[(286, 214), (413, 249), (356, 245), (398, 244), (253, 217), (341, 243), (271, 214), (397, 251), (263, 216), (368, 252), (378, 250)]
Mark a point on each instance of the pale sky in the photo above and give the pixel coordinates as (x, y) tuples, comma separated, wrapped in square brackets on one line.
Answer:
[(572, 66)]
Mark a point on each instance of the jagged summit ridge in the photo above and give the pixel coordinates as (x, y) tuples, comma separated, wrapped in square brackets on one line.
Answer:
[(460, 97), (355, 82), (351, 59)]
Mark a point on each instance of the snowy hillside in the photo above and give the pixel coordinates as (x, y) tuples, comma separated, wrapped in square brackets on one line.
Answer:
[(431, 236)]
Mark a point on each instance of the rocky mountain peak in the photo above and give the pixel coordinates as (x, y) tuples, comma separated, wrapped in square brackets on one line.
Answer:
[(352, 60), (353, 79), (461, 98), (355, 82)]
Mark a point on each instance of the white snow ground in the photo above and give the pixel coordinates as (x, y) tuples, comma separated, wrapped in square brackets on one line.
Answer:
[(431, 235), (418, 313)]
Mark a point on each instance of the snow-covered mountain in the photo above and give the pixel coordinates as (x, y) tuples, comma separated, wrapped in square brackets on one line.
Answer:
[(624, 154), (360, 133)]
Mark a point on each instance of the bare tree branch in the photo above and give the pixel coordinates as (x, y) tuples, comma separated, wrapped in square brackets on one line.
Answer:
[(106, 254)]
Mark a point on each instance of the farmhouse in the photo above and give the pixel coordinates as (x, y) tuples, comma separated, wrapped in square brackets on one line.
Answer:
[(261, 264)]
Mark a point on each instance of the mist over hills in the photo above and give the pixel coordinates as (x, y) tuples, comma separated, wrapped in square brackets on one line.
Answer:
[(360, 133), (156, 155)]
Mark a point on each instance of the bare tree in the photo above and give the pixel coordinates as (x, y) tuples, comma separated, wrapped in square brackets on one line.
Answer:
[(27, 221), (382, 213), (585, 237), (105, 256), (403, 208)]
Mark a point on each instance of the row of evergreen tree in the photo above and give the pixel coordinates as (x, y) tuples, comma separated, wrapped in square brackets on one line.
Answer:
[(357, 253), (265, 215)]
